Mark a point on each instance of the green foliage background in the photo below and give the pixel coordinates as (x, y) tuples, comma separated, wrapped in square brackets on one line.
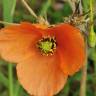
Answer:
[(55, 15)]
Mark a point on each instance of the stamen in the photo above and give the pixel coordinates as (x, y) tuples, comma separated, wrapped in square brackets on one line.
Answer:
[(47, 45)]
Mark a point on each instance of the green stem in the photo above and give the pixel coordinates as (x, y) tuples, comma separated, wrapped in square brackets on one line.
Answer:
[(91, 12), (8, 10), (10, 74), (91, 15), (92, 35)]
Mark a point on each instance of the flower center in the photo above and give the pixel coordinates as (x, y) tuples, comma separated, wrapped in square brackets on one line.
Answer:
[(47, 45)]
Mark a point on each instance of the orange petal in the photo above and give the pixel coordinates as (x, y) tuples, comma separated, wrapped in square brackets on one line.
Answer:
[(41, 75), (16, 40), (71, 47)]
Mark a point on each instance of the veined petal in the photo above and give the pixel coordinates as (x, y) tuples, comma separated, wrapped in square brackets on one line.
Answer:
[(40, 75), (16, 40), (71, 47)]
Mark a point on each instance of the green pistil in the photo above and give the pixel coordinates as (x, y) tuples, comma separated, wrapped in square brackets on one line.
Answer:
[(47, 45)]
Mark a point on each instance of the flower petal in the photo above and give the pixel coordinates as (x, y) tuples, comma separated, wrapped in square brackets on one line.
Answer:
[(15, 41), (71, 47), (41, 75)]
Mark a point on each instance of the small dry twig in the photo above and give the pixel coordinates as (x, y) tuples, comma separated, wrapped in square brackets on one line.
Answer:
[(29, 9)]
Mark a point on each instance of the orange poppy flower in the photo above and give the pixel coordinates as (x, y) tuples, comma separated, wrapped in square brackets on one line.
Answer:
[(44, 56)]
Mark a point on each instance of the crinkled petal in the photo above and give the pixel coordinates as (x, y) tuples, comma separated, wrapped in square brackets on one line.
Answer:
[(71, 47), (40, 75), (16, 40)]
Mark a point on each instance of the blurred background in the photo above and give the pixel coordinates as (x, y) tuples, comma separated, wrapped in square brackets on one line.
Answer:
[(56, 10)]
